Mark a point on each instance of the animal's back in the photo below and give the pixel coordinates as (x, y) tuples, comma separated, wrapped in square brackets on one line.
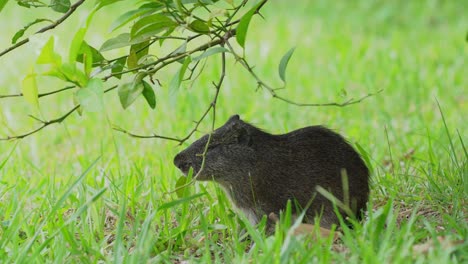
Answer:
[(313, 156), (260, 172)]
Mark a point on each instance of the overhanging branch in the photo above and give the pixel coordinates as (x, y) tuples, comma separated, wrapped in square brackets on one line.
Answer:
[(274, 94), (50, 122), (47, 28), (39, 95)]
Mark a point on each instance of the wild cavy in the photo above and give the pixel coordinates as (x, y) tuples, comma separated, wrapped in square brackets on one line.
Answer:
[(260, 172)]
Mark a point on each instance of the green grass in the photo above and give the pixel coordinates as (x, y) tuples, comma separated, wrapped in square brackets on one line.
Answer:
[(80, 192)]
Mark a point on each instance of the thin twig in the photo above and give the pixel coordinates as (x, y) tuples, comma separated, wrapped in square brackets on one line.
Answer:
[(350, 101), (137, 52), (50, 122), (40, 95), (198, 122), (234, 13), (213, 108), (200, 48), (172, 55), (274, 94), (141, 136), (188, 39), (171, 58), (219, 41), (47, 28), (44, 124), (182, 140)]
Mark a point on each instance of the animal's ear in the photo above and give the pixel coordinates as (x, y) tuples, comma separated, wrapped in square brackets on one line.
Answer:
[(233, 119), (243, 136)]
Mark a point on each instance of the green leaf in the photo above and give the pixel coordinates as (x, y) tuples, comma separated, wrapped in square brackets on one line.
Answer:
[(206, 2), (148, 58), (91, 96), (284, 64), (179, 76), (217, 12), (149, 95), (2, 4), (73, 74), (180, 201), (55, 72), (60, 6), (29, 90), (17, 35), (166, 34), (29, 3), (132, 60), (182, 186), (129, 92), (131, 15), (76, 44), (210, 52), (181, 49), (241, 31), (48, 55), (76, 102), (120, 41), (118, 66), (103, 3), (151, 25), (136, 52), (20, 33), (181, 189), (184, 67), (97, 58), (79, 47), (199, 26)]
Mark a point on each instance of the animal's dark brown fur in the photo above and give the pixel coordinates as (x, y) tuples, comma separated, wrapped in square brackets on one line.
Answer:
[(260, 172)]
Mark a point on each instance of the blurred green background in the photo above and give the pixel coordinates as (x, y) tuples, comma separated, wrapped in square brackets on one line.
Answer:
[(414, 50)]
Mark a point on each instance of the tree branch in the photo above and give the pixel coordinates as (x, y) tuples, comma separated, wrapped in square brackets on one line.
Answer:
[(47, 28), (151, 68), (142, 136), (172, 54), (213, 107), (50, 122), (274, 94), (39, 95), (350, 101), (173, 57)]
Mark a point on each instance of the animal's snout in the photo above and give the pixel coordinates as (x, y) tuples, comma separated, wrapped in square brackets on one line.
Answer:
[(181, 163)]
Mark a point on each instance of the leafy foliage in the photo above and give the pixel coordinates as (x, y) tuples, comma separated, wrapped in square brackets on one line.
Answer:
[(160, 35), (50, 212), (152, 25)]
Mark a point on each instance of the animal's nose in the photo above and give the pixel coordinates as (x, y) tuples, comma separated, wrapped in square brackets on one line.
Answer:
[(180, 163), (177, 160)]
